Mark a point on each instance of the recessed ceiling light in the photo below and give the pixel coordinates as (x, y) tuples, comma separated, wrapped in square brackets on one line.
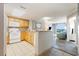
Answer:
[(46, 18)]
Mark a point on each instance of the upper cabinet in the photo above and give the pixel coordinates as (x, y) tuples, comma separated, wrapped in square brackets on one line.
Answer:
[(24, 23), (14, 24), (18, 22)]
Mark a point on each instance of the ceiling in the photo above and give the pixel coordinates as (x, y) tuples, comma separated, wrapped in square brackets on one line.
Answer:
[(38, 10)]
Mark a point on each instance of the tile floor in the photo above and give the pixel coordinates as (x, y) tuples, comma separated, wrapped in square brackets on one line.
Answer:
[(62, 48), (55, 52), (66, 46), (25, 49), (20, 49)]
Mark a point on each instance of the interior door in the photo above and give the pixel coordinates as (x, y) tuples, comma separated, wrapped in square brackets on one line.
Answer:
[(14, 35)]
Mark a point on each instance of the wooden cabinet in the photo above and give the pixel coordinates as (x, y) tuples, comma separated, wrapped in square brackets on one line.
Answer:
[(8, 38), (29, 37), (23, 36), (24, 23)]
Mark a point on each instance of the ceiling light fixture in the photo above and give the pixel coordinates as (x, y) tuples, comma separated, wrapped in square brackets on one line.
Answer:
[(46, 18)]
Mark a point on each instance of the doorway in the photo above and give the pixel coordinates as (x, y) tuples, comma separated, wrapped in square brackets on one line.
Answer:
[(60, 37)]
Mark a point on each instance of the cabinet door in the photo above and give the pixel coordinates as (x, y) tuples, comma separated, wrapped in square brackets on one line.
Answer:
[(24, 23), (32, 38), (29, 37), (14, 24), (8, 38), (23, 34)]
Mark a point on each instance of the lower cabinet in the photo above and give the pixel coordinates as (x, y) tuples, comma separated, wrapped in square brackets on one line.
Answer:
[(28, 36)]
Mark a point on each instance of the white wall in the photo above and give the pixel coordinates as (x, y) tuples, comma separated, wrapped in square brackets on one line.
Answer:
[(5, 30), (61, 19), (35, 22), (68, 30), (71, 23), (45, 41), (2, 29), (77, 24)]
